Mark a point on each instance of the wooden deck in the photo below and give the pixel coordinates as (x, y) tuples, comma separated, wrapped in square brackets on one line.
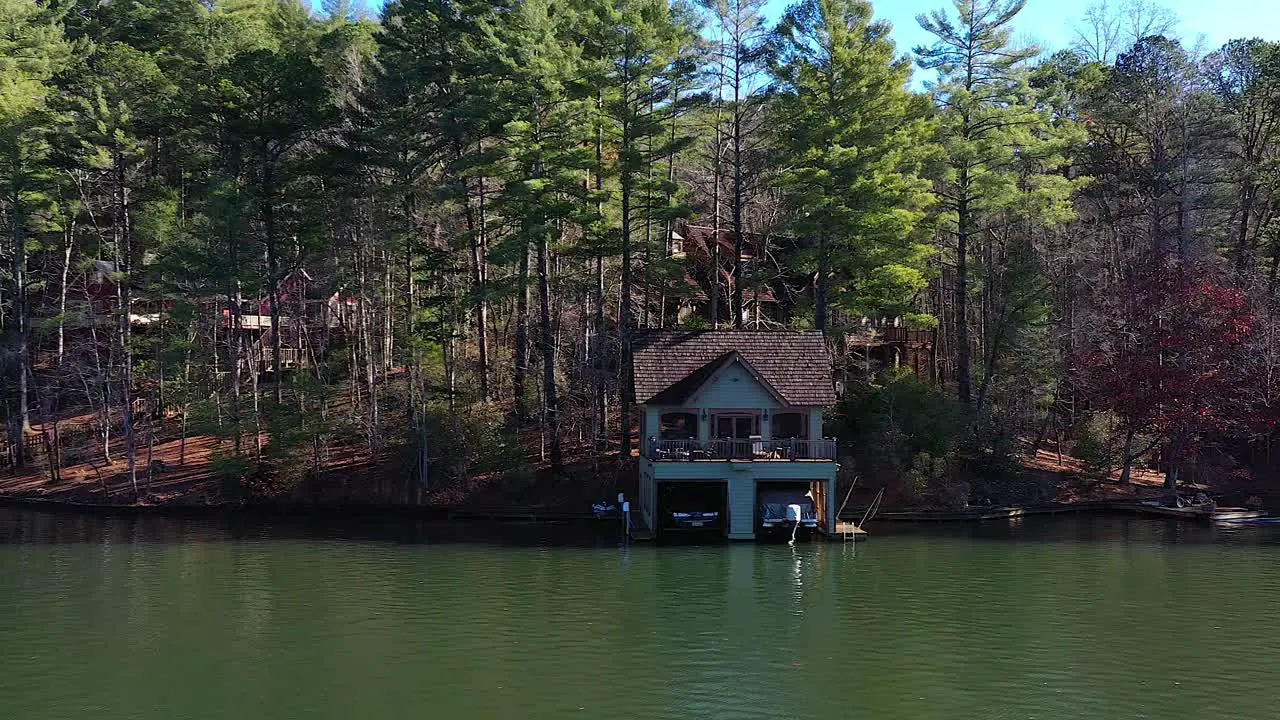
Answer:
[(639, 531), (849, 531)]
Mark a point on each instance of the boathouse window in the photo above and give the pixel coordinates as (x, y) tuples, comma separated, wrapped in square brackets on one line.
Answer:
[(740, 427), (790, 425), (679, 426)]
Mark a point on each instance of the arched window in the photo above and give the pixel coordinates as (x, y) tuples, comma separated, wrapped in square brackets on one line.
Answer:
[(679, 426), (790, 426)]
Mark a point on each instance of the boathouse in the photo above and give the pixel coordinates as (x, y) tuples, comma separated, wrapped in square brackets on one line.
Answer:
[(731, 426)]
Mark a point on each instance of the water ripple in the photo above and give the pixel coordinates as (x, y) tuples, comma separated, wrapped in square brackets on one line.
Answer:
[(1082, 618)]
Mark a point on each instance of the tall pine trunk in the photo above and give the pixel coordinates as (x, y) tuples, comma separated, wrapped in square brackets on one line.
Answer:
[(479, 251), (820, 287), (522, 336), (124, 302), (68, 245), (20, 349), (964, 357), (273, 275), (624, 312), (601, 408), (547, 343), (738, 193)]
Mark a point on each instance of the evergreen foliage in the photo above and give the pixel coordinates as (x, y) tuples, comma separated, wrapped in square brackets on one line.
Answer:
[(313, 233)]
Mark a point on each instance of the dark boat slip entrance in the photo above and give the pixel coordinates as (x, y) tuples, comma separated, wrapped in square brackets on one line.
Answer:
[(700, 506)]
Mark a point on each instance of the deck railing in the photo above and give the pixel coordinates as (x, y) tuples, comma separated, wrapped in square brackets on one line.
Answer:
[(889, 335), (694, 450)]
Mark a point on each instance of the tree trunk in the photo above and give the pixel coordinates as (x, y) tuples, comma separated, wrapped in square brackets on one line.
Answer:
[(820, 310), (1244, 249), (624, 312), (254, 360), (738, 192), (714, 250), (68, 245), (546, 341), (669, 227), (522, 336), (124, 301), (598, 359), (234, 344), (273, 277), (370, 375), (21, 354), (964, 358), (388, 312), (647, 254), (1126, 458), (478, 279)]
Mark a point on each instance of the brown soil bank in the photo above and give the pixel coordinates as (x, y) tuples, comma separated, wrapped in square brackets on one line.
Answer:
[(177, 473)]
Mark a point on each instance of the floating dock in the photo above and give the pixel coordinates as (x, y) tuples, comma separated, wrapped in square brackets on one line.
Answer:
[(848, 531)]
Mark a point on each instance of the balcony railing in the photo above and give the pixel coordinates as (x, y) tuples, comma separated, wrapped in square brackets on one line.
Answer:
[(695, 450), (889, 335)]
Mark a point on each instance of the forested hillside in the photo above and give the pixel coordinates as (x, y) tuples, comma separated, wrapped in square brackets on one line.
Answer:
[(430, 235)]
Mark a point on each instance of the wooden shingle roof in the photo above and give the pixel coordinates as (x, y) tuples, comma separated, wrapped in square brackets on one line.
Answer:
[(796, 365)]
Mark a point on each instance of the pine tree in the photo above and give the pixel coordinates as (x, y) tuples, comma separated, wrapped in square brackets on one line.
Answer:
[(1001, 149), (32, 50), (272, 105), (546, 149), (1244, 75), (638, 47), (740, 53), (851, 137)]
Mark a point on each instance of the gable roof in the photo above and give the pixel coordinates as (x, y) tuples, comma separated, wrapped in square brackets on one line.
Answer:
[(683, 390), (670, 365)]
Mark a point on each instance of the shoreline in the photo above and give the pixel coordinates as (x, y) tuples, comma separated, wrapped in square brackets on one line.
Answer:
[(1200, 514), (311, 510), (516, 514)]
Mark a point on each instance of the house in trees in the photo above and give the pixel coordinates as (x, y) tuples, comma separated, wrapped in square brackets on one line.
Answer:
[(706, 254), (872, 345), (309, 322), (102, 298), (311, 319), (731, 423)]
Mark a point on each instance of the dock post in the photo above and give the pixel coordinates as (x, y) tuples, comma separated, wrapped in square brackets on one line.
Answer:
[(626, 519)]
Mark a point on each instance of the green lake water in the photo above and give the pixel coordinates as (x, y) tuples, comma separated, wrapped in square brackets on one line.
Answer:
[(1071, 617)]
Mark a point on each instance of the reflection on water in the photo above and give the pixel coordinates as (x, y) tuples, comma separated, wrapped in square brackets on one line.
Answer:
[(1076, 616)]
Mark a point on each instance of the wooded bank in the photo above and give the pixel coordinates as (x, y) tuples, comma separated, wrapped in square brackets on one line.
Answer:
[(426, 238)]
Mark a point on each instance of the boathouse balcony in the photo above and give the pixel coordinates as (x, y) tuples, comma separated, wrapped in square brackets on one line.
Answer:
[(751, 449)]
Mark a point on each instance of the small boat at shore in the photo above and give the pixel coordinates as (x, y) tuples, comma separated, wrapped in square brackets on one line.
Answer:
[(1248, 520)]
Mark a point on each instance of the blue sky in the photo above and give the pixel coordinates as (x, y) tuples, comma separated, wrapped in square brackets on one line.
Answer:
[(1052, 23)]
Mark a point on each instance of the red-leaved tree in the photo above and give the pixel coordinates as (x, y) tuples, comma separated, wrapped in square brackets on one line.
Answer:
[(1168, 359)]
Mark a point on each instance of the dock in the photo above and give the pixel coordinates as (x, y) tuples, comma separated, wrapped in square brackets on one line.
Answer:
[(639, 531), (848, 531)]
